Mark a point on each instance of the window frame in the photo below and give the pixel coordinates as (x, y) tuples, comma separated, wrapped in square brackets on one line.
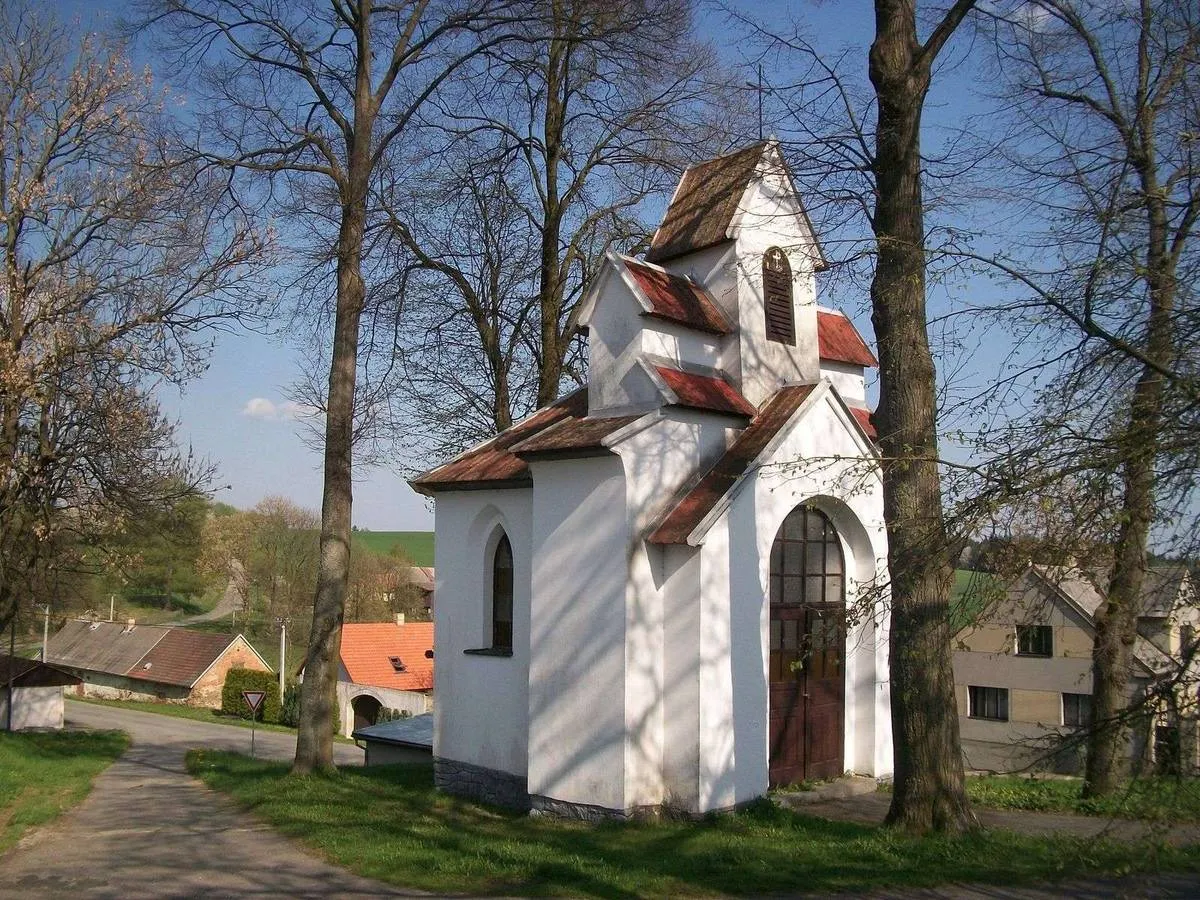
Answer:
[(1082, 713), (498, 645), (999, 700), (779, 299), (1041, 634)]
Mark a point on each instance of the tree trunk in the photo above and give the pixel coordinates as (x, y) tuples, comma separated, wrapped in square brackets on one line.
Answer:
[(318, 701), (929, 792), (550, 282), (1116, 623)]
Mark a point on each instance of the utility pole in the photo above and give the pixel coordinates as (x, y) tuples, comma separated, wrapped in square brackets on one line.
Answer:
[(282, 622), (45, 631)]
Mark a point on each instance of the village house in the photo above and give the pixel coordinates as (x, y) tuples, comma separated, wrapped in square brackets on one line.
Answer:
[(150, 662), (664, 589), (383, 666), (1023, 672)]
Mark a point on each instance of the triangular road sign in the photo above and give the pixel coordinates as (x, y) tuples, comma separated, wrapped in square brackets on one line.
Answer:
[(254, 699)]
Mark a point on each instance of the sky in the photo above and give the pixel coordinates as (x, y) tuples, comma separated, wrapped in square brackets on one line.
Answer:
[(237, 415)]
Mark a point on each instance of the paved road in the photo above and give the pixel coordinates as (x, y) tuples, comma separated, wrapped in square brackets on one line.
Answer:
[(149, 830)]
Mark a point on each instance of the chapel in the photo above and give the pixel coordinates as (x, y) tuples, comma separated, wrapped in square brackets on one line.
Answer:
[(667, 589)]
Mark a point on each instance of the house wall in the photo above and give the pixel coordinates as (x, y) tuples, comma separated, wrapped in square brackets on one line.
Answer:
[(481, 719), (207, 691), (117, 687), (33, 707), (414, 703), (577, 677), (987, 657)]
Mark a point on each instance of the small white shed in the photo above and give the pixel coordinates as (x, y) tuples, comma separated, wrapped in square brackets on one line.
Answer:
[(36, 693)]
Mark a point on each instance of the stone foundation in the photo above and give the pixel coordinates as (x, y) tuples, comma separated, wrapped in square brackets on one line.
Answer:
[(480, 783)]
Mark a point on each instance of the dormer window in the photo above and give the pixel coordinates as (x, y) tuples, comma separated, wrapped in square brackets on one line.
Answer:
[(777, 296), (397, 663)]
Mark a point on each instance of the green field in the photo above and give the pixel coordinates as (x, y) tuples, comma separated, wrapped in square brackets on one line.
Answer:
[(970, 596), (417, 545)]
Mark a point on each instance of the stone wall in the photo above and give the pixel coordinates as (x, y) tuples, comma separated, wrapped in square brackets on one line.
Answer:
[(207, 691), (482, 784)]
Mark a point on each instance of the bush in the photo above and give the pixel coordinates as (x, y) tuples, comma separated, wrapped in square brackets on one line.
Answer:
[(289, 713), (239, 680), (387, 714)]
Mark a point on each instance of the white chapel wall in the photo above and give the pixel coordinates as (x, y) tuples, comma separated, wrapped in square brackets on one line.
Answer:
[(482, 711)]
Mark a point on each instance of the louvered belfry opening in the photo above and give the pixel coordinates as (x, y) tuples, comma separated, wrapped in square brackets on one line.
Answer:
[(777, 292)]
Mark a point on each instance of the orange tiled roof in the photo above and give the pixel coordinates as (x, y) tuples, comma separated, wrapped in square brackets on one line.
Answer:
[(367, 648)]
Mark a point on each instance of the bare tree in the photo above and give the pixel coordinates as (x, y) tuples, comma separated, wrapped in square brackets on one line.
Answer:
[(117, 255), (313, 97), (929, 790), (1107, 119)]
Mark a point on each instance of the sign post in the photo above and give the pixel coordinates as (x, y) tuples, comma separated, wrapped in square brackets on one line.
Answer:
[(253, 700)]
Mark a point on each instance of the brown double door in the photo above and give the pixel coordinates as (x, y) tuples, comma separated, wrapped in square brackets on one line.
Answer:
[(807, 692)]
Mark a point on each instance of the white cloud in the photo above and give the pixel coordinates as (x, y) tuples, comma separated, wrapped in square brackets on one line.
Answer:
[(293, 410), (259, 408)]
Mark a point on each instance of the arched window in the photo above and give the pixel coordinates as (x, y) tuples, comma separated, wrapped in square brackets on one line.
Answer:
[(502, 596), (807, 567), (777, 295)]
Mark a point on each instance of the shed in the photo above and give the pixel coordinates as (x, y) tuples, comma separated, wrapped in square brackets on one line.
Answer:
[(408, 740), (37, 691)]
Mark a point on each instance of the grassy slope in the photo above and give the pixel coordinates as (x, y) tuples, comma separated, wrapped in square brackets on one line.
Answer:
[(1165, 799), (43, 774), (970, 595), (418, 545), (389, 823)]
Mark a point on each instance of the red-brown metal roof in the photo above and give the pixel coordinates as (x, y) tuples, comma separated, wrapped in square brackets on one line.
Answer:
[(839, 341), (864, 419), (181, 657), (678, 299), (705, 392), (493, 463), (705, 204), (573, 436), (698, 501)]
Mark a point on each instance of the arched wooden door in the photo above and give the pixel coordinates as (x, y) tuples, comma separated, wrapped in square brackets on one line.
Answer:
[(807, 650)]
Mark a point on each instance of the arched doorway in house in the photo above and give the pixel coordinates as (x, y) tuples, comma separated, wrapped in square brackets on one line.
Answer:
[(366, 710), (807, 695)]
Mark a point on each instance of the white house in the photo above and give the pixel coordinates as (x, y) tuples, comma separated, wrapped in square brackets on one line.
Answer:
[(660, 591)]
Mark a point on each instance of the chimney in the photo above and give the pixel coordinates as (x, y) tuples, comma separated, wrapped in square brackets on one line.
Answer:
[(399, 618)]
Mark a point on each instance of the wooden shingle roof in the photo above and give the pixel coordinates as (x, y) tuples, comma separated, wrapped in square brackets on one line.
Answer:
[(705, 392), (674, 298), (839, 341), (704, 204)]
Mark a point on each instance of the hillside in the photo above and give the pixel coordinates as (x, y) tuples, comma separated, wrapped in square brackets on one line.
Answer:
[(417, 545)]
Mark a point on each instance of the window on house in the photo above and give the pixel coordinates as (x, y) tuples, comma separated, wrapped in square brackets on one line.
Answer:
[(1077, 709), (987, 703), (1035, 640), (502, 596), (806, 560), (777, 296)]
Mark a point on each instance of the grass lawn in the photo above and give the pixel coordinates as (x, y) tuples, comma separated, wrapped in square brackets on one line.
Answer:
[(1165, 799), (192, 712), (43, 774), (388, 823)]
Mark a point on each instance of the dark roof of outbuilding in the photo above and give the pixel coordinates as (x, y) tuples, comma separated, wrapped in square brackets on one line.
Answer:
[(32, 673), (704, 204), (699, 498), (181, 657)]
